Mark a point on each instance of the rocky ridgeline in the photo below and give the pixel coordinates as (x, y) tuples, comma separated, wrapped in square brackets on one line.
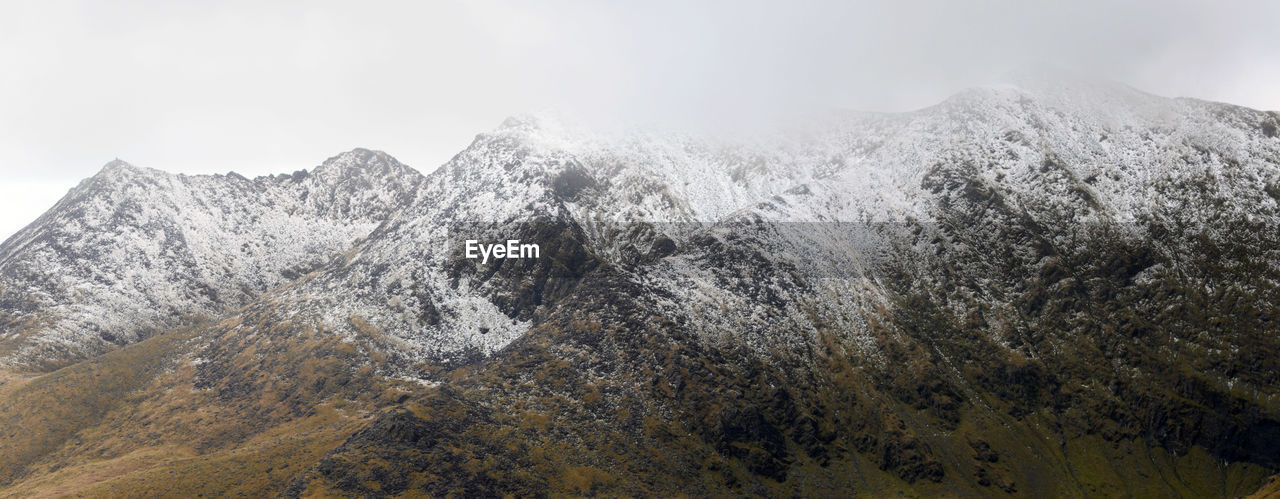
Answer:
[(134, 251), (902, 287)]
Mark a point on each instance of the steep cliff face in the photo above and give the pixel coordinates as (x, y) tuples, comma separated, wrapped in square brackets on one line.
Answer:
[(1055, 289)]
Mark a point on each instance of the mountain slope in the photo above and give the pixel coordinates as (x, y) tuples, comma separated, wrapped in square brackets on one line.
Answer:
[(1034, 291)]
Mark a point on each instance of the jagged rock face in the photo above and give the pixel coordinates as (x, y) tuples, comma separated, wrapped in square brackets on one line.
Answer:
[(132, 251)]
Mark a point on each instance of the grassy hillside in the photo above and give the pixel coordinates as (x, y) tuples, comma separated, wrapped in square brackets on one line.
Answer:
[(537, 420)]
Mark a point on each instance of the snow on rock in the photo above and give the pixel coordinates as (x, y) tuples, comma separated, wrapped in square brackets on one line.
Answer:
[(789, 236), (131, 251)]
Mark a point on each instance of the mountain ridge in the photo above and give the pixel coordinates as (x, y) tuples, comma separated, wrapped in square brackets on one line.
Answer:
[(1004, 293), (199, 216)]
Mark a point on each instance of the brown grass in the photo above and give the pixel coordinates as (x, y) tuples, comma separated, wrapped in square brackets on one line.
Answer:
[(12, 381), (264, 465)]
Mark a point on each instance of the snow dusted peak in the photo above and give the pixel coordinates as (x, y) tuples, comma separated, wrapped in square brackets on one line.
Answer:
[(118, 168), (117, 164), (1061, 93), (544, 123), (530, 148), (358, 156), (362, 162), (546, 130), (119, 177), (359, 185)]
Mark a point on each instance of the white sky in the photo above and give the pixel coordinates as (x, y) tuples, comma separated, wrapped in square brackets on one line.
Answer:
[(268, 87)]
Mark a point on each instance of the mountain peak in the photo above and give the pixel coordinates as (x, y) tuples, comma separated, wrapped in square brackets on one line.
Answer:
[(117, 165), (120, 168), (543, 123), (1074, 88), (360, 161)]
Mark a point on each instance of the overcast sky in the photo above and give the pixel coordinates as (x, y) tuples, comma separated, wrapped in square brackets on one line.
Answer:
[(265, 87)]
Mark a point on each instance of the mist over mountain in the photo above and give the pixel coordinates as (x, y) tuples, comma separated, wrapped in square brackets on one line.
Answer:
[(1050, 288)]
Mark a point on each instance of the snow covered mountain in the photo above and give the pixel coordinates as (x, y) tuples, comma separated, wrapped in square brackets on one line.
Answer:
[(134, 251), (981, 295), (843, 203)]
